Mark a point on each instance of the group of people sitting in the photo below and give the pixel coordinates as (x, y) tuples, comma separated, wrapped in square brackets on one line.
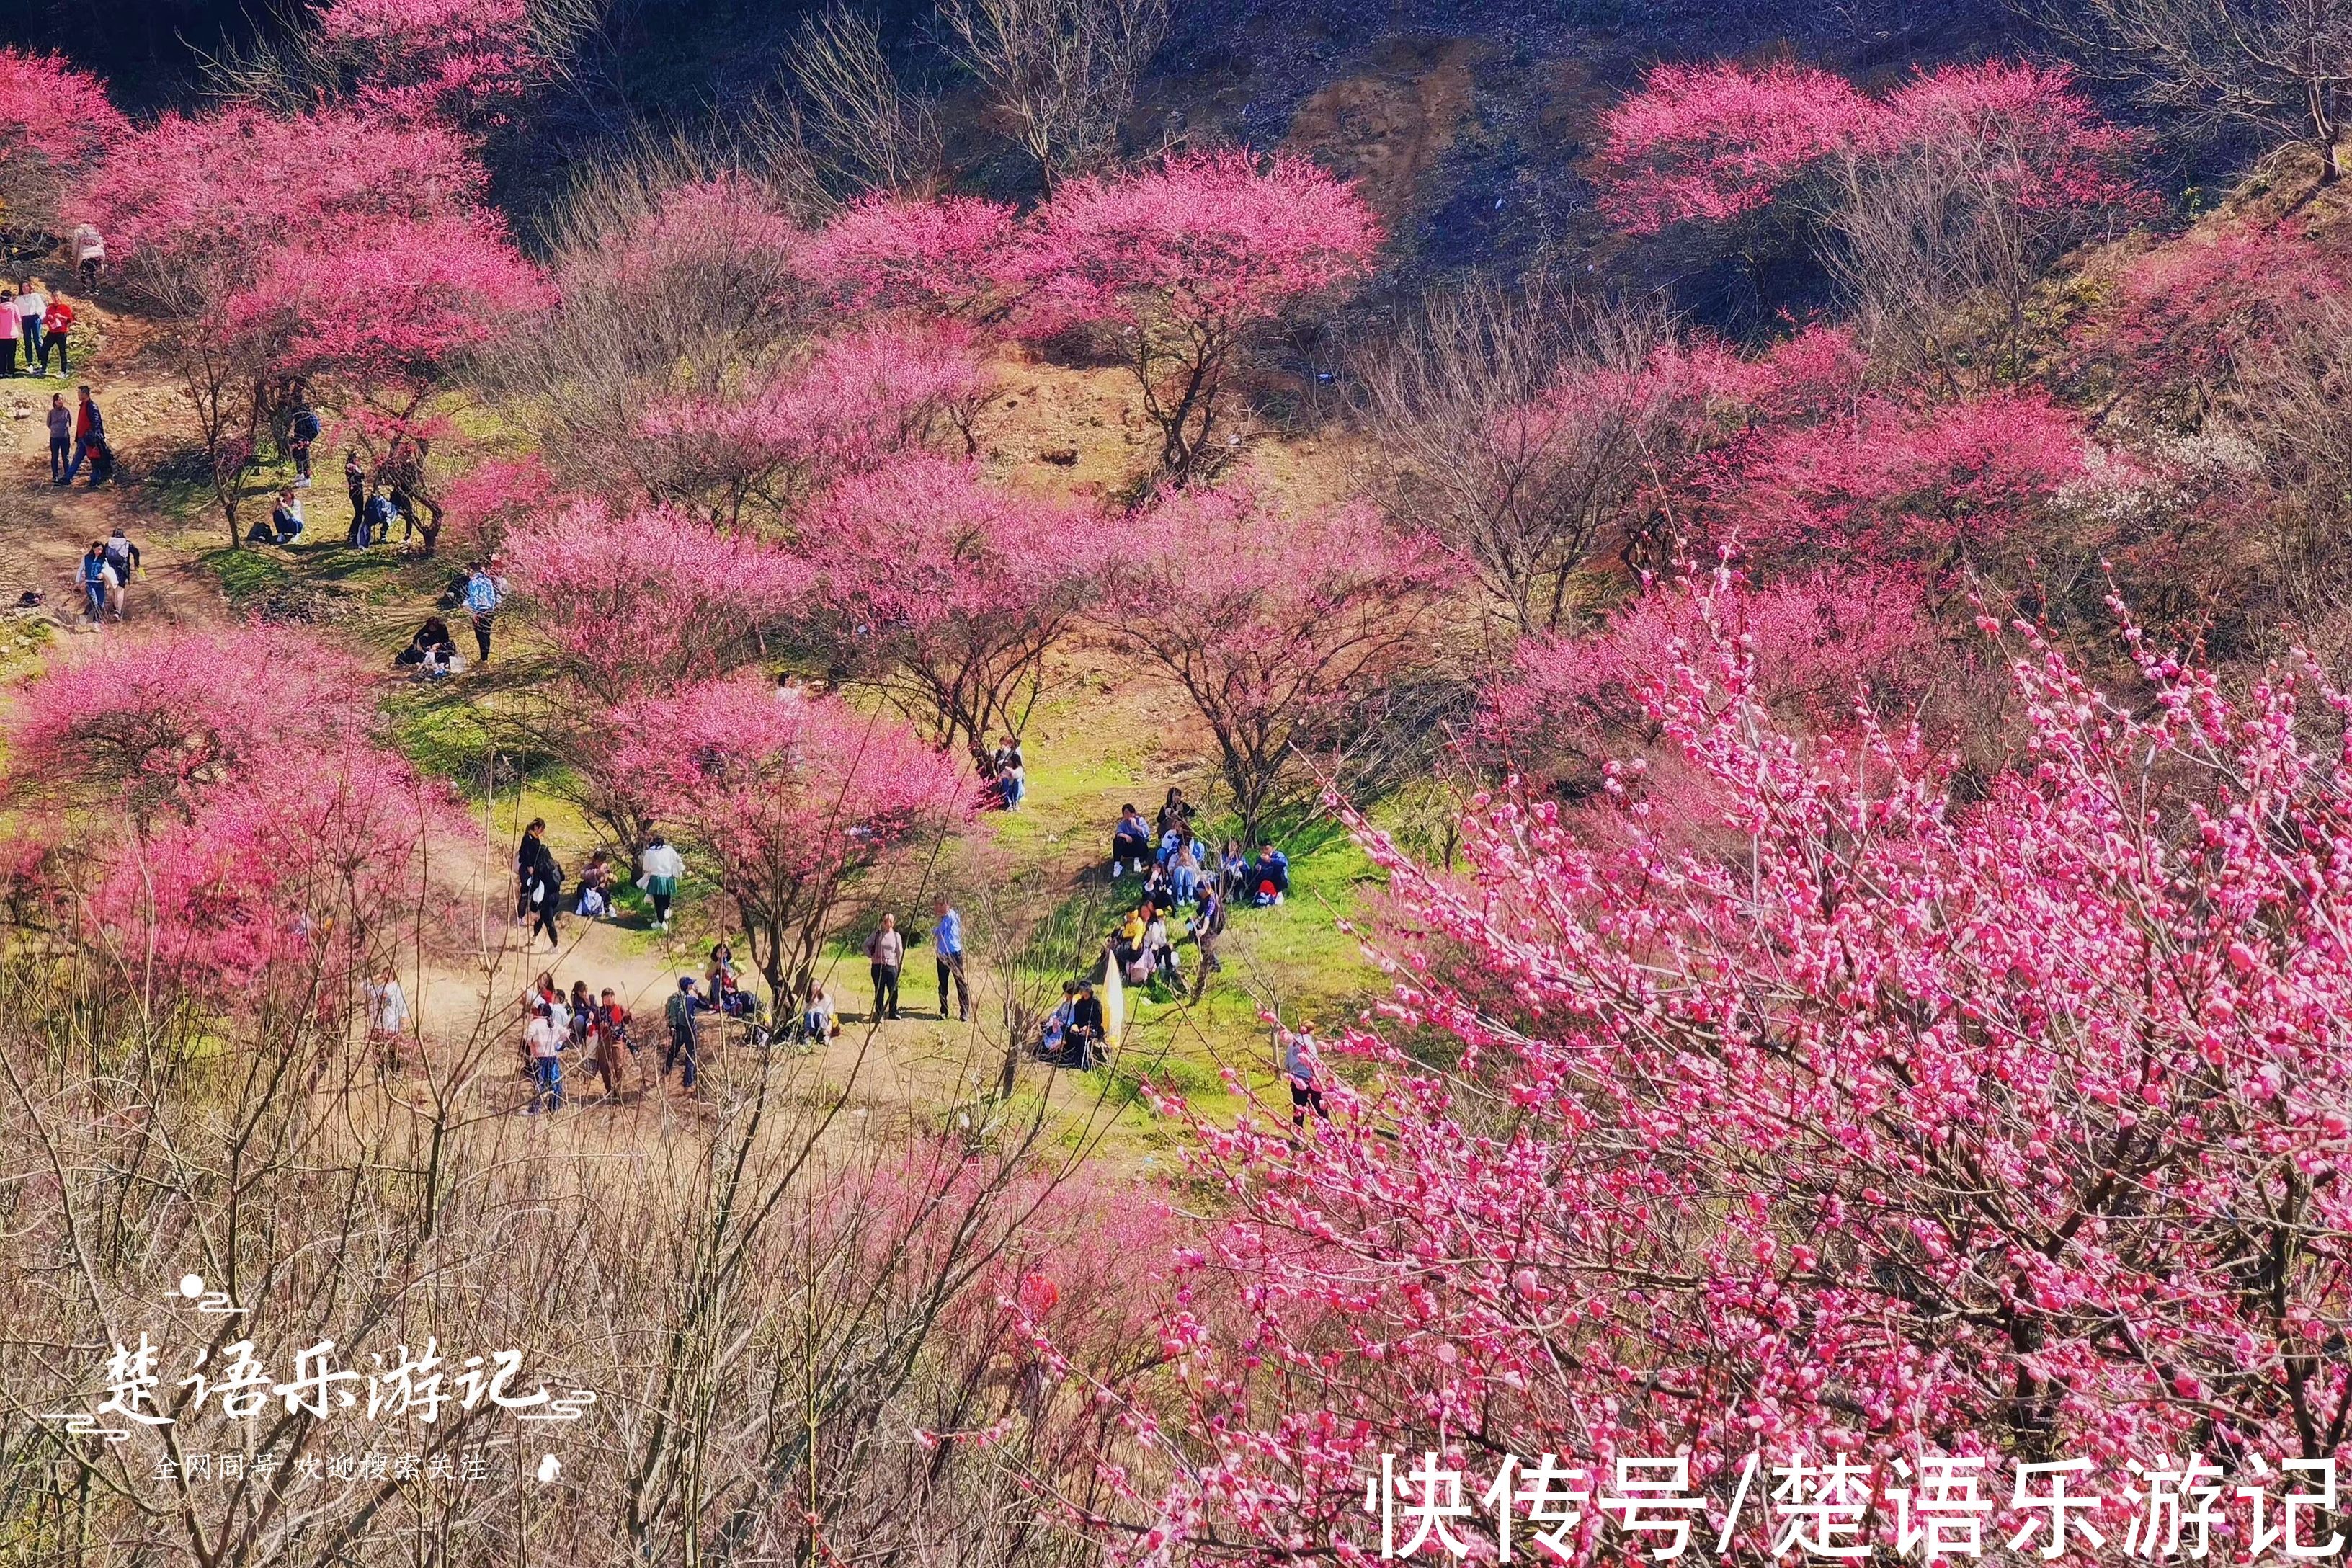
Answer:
[(1073, 1036), (431, 653), (1175, 865)]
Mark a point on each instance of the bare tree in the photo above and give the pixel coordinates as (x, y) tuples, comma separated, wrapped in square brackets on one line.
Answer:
[(873, 131), (1520, 426), (1062, 71), (2276, 66), (1938, 246)]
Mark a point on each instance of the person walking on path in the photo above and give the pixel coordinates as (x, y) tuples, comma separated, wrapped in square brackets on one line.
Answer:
[(610, 1023), (93, 574), (542, 1039), (90, 434), (56, 330), (680, 1010), (538, 882), (61, 422), (947, 948), (482, 597), (663, 866), (885, 951), (123, 556)]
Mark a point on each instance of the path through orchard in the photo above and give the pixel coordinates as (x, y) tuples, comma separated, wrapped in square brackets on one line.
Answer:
[(474, 982)]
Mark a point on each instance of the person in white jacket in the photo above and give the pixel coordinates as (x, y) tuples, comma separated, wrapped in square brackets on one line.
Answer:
[(663, 866)]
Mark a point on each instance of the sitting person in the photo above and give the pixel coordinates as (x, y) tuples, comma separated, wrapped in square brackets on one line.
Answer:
[(1269, 873), (286, 519), (1130, 842), (1127, 942), (595, 887), (817, 1024), (1174, 812), (1160, 887), (1184, 868), (1159, 950), (1055, 1032), (1082, 1042), (431, 652)]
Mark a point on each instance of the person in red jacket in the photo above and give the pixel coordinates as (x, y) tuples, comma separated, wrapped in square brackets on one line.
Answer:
[(56, 329)]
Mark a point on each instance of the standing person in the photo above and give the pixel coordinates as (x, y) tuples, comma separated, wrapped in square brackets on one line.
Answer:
[(90, 434), (680, 1010), (885, 951), (370, 518), (387, 1016), (538, 882), (481, 602), (542, 1037), (32, 305), (305, 431), (355, 481), (92, 574), (1298, 1066), (1208, 929), (60, 437), (123, 556), (56, 330), (10, 327), (1012, 776), (88, 254), (947, 948), (663, 866), (612, 1039)]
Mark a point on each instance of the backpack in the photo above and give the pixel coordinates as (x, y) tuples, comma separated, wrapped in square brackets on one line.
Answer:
[(306, 425)]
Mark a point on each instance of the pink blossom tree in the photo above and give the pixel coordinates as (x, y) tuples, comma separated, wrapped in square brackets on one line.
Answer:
[(198, 211), (2188, 318), (1825, 650), (786, 802), (950, 595), (1715, 144), (56, 125), (386, 329), (841, 406), (465, 60), (150, 722), (281, 893), (651, 599), (897, 255), (1283, 629), (631, 605), (1997, 1124), (1932, 484), (1189, 263), (1957, 189)]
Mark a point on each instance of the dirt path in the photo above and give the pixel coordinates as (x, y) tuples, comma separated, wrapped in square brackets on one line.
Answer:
[(44, 528)]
